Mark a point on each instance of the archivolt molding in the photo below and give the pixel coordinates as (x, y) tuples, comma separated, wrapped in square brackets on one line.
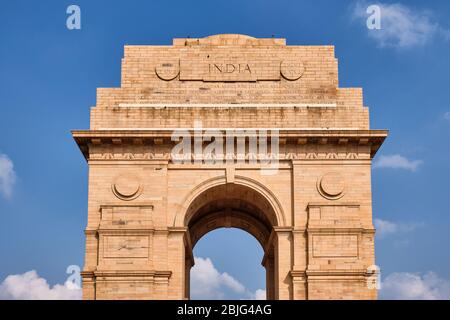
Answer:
[(230, 219), (181, 220)]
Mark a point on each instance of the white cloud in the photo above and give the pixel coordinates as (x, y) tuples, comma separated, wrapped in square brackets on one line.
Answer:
[(29, 286), (397, 162), (7, 175), (260, 294), (208, 283), (401, 26), (386, 228), (414, 286)]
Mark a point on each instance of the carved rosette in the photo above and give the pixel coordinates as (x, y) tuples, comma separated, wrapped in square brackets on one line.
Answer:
[(292, 70), (127, 187), (331, 186), (168, 70)]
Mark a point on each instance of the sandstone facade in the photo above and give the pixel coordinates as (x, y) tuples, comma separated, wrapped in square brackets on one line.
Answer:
[(311, 212)]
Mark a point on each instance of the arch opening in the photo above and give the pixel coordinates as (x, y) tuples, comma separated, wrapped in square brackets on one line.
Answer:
[(232, 206), (227, 266)]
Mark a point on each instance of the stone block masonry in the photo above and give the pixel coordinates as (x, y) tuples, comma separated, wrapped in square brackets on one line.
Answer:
[(146, 212)]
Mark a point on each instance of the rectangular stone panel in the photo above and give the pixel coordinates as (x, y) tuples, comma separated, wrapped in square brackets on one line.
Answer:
[(323, 215), (126, 247), (221, 67), (124, 290), (123, 217), (335, 246)]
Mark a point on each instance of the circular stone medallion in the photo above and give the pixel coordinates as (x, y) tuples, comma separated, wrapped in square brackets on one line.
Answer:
[(331, 185), (168, 70), (127, 187), (292, 70)]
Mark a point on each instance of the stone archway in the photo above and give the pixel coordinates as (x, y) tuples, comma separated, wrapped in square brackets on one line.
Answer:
[(145, 210), (232, 206)]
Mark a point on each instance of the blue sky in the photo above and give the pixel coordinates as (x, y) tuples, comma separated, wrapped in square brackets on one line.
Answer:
[(47, 85)]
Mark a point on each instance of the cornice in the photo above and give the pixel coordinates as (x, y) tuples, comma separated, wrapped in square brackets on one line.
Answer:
[(157, 137)]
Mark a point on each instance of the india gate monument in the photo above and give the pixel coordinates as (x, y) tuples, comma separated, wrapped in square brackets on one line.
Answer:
[(229, 131)]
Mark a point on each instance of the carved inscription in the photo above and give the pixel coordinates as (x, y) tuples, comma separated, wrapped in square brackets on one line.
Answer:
[(219, 68), (126, 247)]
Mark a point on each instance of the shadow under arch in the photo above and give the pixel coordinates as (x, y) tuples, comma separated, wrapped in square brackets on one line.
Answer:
[(244, 204), (182, 216)]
